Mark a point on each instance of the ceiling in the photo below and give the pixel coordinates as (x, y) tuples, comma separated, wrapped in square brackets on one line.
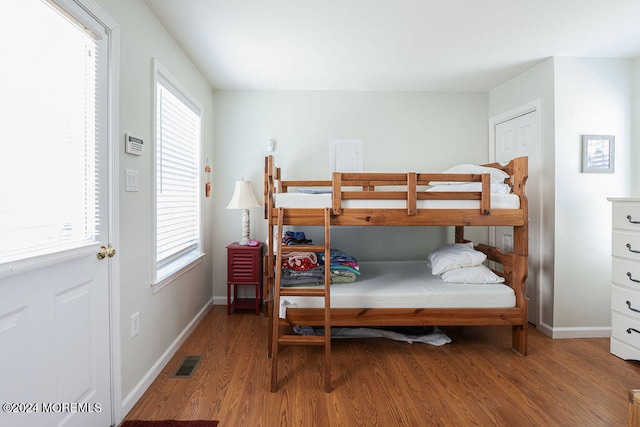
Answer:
[(391, 45)]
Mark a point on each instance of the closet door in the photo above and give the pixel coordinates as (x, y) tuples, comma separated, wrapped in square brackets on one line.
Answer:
[(520, 136)]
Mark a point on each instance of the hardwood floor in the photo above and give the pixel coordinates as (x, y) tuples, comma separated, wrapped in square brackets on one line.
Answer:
[(475, 380)]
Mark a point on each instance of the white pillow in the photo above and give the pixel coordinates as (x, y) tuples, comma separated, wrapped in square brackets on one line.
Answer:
[(453, 256), (478, 274), (497, 175)]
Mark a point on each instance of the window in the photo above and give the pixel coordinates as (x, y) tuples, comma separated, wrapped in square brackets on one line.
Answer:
[(177, 179), (49, 193)]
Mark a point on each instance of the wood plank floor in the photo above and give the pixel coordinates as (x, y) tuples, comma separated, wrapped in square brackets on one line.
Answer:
[(475, 380)]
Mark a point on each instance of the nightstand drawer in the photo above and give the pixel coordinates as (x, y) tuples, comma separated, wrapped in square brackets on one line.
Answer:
[(624, 214), (626, 273), (243, 266), (625, 329), (625, 301), (625, 245)]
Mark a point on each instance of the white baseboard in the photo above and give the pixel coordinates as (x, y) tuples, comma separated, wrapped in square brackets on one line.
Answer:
[(545, 329), (575, 332), (130, 400), (220, 300), (582, 332)]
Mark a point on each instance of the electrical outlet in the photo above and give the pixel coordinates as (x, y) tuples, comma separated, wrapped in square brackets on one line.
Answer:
[(135, 324)]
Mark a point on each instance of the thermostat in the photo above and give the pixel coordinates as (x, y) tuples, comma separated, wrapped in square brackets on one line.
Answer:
[(133, 144)]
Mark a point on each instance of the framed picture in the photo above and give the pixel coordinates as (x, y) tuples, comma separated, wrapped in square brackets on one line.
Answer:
[(598, 153)]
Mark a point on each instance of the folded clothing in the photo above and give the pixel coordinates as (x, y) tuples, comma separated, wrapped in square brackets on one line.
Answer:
[(295, 238), (307, 268), (345, 269), (299, 260), (341, 260)]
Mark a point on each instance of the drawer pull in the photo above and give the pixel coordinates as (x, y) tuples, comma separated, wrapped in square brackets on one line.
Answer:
[(631, 278), (632, 222), (632, 250), (629, 330), (631, 308)]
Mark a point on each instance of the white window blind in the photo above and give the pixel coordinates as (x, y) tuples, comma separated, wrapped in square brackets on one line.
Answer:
[(48, 184), (178, 128)]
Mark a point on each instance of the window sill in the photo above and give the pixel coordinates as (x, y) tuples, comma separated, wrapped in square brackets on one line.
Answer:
[(172, 271)]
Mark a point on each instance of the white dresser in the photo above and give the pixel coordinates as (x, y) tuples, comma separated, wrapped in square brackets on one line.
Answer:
[(625, 278)]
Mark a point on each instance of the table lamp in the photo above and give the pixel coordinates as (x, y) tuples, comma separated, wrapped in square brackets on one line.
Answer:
[(244, 199)]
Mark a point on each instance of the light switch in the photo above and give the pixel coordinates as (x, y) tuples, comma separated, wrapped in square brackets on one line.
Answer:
[(131, 180)]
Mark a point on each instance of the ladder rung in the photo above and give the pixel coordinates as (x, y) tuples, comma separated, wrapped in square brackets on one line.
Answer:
[(302, 292), (301, 340), (302, 248)]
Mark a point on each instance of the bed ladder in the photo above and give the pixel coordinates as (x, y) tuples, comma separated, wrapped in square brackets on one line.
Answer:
[(280, 338)]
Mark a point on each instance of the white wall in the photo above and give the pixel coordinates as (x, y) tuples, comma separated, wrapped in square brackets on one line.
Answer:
[(532, 85), (593, 96), (401, 131), (635, 119), (578, 96), (165, 314)]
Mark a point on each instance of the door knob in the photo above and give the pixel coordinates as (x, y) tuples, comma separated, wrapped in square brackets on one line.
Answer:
[(106, 252)]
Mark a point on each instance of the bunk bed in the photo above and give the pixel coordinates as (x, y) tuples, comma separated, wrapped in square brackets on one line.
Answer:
[(396, 199)]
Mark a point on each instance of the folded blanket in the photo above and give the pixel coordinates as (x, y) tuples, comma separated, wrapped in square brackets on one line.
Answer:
[(338, 277), (291, 273), (496, 188), (301, 282), (311, 277), (315, 190)]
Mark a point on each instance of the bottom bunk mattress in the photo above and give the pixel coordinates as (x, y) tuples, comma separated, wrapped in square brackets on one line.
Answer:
[(406, 284)]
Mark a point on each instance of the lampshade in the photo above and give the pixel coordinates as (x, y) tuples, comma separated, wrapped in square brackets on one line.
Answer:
[(243, 197)]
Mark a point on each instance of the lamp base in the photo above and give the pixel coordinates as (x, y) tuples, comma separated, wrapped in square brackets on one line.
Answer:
[(244, 241)]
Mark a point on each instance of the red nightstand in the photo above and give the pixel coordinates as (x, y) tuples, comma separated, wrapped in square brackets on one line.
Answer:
[(244, 268)]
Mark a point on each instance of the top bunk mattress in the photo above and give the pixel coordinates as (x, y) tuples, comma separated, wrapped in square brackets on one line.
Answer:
[(407, 284), (323, 200)]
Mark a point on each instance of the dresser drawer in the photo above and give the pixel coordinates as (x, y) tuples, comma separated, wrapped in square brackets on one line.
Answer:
[(625, 245), (625, 329), (626, 273), (624, 214), (625, 301)]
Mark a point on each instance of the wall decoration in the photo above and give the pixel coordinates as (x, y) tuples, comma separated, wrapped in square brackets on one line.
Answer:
[(598, 153), (207, 185)]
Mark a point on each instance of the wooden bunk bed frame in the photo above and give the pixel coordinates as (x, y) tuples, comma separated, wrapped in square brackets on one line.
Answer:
[(376, 186)]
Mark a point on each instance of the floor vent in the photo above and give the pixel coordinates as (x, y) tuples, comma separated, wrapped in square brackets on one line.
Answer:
[(187, 367)]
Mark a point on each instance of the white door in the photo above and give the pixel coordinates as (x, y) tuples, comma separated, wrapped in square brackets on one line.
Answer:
[(54, 216), (520, 136)]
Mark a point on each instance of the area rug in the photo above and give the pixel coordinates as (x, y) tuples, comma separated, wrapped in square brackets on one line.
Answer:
[(169, 423)]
